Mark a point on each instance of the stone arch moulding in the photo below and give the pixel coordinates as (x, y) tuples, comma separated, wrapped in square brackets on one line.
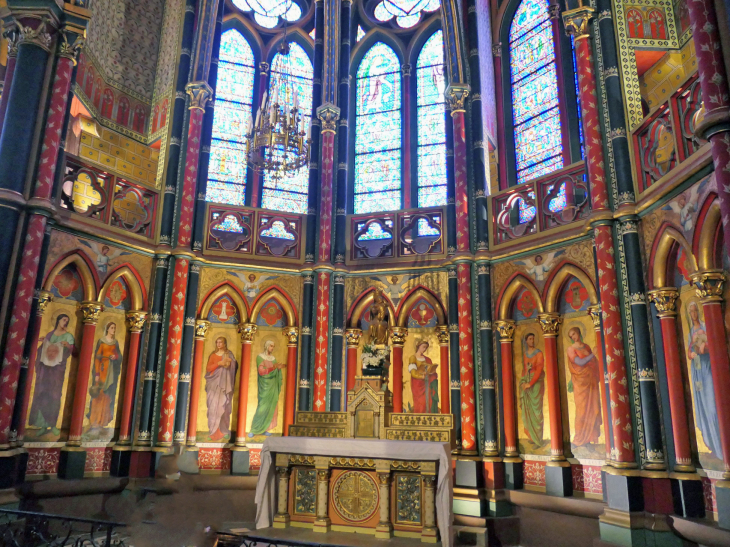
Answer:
[(411, 298), (83, 265), (707, 231), (557, 280), (361, 304), (216, 292), (664, 247), (133, 281), (511, 290), (282, 298)]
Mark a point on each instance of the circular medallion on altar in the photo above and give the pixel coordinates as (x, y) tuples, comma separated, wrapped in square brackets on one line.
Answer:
[(355, 496)]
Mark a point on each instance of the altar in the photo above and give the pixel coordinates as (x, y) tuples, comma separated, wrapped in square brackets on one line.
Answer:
[(381, 487)]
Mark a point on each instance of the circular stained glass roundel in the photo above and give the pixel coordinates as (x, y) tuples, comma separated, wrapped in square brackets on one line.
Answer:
[(407, 13), (267, 12)]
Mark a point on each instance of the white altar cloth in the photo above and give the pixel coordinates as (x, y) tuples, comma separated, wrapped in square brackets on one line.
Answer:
[(357, 448)]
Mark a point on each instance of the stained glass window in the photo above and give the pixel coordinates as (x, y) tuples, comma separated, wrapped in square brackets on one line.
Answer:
[(407, 13), (378, 131), (535, 108), (290, 193), (267, 12), (233, 99), (431, 123)]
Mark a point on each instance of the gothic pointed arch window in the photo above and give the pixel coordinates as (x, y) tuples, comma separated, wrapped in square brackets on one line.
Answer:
[(378, 125), (290, 192), (431, 122), (227, 169)]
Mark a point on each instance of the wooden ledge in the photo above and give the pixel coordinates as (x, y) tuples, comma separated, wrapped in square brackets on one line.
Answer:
[(579, 507), (702, 532), (64, 488)]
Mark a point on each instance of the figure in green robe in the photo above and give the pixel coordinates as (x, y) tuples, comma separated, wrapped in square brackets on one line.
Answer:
[(269, 382), (532, 389)]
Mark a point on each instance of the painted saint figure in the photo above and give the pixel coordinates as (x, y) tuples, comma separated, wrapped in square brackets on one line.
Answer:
[(532, 389), (50, 371), (703, 386), (269, 387), (424, 381), (220, 377), (585, 375), (104, 380)]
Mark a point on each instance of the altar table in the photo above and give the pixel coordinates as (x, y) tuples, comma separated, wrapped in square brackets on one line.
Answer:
[(371, 454)]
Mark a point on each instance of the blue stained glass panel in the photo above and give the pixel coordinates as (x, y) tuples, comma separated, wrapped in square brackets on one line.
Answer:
[(378, 127), (278, 230), (535, 107), (233, 106), (559, 202), (290, 193), (527, 212), (430, 85)]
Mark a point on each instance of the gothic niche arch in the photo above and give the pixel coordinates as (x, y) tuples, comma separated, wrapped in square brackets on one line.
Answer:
[(668, 245), (556, 284), (412, 298)]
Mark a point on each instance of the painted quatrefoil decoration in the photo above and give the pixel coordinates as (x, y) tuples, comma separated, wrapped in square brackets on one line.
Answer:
[(407, 13), (267, 12)]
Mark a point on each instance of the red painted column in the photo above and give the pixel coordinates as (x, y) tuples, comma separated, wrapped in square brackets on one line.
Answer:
[(466, 360), (247, 330), (709, 286), (135, 326), (352, 339), (328, 114), (44, 298), (506, 330), (398, 339), (456, 96), (665, 300), (595, 313), (30, 258), (622, 454), (442, 331), (550, 323), (321, 343), (90, 312), (292, 335), (201, 329), (716, 98)]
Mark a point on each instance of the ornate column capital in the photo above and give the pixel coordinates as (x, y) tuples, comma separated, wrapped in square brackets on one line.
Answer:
[(576, 21), (200, 93), (44, 298), (291, 334), (506, 330), (398, 335), (36, 35), (353, 337), (247, 332), (554, 11), (70, 45), (136, 320), (497, 49), (456, 95), (405, 69), (442, 332), (264, 67), (709, 285), (90, 312), (595, 313), (665, 300), (550, 323), (12, 38), (328, 115), (201, 329)]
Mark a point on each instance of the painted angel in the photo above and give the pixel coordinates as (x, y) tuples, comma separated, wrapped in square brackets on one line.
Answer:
[(686, 205), (394, 285), (251, 283), (104, 254), (541, 265)]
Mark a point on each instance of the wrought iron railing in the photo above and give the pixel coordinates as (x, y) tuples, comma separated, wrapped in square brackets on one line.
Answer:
[(252, 540), (31, 529)]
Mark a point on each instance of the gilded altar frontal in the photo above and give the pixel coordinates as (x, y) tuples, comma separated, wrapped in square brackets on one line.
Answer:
[(315, 269)]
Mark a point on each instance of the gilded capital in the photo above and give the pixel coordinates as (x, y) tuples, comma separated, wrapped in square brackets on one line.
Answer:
[(44, 298), (456, 95), (398, 335), (709, 285), (328, 115), (442, 331), (291, 334), (595, 313), (136, 320), (576, 21), (506, 330), (497, 49), (36, 36), (90, 312), (12, 38), (200, 93), (353, 337), (247, 332), (201, 329), (550, 323), (665, 301), (70, 45)]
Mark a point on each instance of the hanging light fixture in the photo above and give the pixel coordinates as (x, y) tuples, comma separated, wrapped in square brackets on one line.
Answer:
[(278, 142)]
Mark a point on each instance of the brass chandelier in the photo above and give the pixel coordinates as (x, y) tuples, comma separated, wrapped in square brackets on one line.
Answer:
[(278, 143)]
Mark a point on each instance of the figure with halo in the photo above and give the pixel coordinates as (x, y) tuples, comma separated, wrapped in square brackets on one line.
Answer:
[(269, 388)]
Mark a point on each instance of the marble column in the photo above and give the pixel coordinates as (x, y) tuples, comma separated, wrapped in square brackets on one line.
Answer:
[(281, 519), (384, 529), (322, 521), (429, 532)]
